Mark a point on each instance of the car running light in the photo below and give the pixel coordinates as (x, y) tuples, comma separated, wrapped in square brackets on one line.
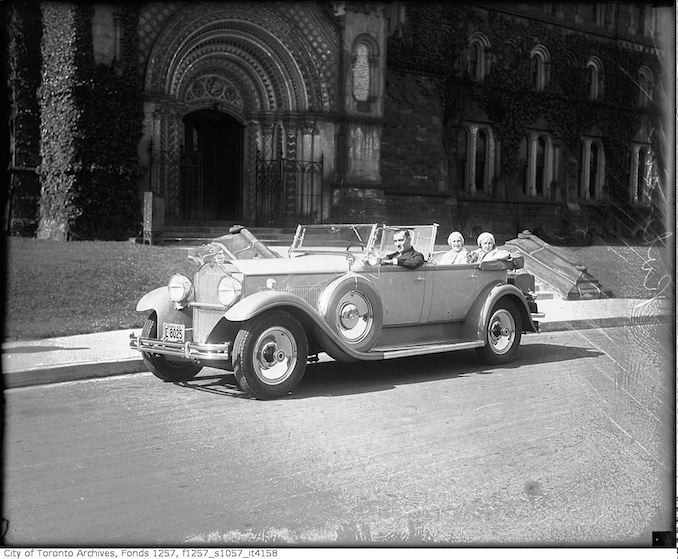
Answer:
[(179, 287), (229, 290)]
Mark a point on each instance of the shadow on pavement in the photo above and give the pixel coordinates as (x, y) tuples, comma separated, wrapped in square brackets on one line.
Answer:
[(341, 379)]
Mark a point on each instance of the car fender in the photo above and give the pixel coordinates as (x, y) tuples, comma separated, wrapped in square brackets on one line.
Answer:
[(479, 313), (263, 301), (158, 300)]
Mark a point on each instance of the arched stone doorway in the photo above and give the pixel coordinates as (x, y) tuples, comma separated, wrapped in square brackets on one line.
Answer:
[(212, 163), (253, 62)]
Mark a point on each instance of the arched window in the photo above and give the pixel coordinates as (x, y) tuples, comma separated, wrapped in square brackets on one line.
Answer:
[(478, 64), (361, 73), (643, 173), (645, 86), (594, 78), (476, 154), (537, 164), (540, 67), (591, 169), (365, 51)]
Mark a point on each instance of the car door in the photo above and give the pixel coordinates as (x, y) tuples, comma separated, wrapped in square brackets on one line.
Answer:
[(454, 288), (402, 293)]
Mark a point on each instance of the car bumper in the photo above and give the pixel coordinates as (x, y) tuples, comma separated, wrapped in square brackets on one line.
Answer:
[(187, 350)]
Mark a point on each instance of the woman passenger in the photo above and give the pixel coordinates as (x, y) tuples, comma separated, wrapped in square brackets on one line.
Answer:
[(487, 250), (457, 254)]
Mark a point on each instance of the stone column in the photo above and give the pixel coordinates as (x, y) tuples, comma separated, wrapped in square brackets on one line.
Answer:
[(531, 186), (358, 193), (548, 167), (501, 188), (633, 175), (489, 163), (471, 159), (586, 171)]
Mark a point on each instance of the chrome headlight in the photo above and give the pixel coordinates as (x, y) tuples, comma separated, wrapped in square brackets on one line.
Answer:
[(229, 290), (180, 288)]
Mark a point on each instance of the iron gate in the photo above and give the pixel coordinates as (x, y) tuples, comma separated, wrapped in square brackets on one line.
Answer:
[(191, 186), (288, 191)]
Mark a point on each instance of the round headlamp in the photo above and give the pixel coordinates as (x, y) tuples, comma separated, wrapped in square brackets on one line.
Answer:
[(229, 290), (179, 287)]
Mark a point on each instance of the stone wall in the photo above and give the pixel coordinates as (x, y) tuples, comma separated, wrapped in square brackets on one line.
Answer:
[(412, 156), (358, 205)]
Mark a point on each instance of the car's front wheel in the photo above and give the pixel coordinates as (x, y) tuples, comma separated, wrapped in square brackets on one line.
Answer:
[(269, 355), (502, 333), (164, 367)]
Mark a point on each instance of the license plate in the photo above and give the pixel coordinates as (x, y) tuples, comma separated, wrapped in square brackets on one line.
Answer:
[(174, 332)]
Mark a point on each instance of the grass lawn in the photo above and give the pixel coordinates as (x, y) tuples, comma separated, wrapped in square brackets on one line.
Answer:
[(61, 289)]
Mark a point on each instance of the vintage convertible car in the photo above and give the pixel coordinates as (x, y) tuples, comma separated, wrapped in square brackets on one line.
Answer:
[(263, 316)]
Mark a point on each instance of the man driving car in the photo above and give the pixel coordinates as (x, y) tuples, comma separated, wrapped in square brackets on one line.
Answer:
[(405, 254)]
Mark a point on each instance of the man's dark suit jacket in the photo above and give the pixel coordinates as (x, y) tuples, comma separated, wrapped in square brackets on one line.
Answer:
[(409, 258)]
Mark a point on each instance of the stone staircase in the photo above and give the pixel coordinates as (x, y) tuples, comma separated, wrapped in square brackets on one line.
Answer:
[(554, 273)]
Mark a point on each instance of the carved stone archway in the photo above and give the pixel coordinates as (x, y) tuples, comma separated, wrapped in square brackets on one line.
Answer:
[(251, 61)]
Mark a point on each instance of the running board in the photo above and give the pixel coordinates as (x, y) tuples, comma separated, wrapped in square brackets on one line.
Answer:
[(393, 353)]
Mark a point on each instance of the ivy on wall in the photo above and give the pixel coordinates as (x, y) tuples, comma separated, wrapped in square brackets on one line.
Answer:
[(23, 80), (61, 97), (506, 95), (113, 121), (91, 121), (23, 27)]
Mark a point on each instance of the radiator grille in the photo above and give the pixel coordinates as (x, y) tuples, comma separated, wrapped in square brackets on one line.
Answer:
[(204, 320), (206, 282), (205, 285)]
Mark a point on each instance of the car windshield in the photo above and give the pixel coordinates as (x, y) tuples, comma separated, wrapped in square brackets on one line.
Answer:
[(338, 237)]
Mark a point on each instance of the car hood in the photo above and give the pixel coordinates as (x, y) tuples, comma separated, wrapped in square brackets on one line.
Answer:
[(296, 265)]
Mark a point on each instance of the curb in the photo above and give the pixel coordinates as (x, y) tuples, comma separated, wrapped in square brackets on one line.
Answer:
[(609, 322), (128, 366), (74, 371)]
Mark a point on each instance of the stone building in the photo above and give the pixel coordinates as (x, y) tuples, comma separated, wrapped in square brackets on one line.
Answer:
[(274, 113)]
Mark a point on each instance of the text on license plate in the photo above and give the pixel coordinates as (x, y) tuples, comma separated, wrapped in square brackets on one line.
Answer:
[(174, 332)]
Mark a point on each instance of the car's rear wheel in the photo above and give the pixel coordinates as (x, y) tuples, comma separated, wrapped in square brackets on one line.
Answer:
[(502, 333), (269, 355), (167, 368)]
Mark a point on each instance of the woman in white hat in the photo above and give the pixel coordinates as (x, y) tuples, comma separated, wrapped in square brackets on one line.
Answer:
[(457, 253), (487, 250)]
